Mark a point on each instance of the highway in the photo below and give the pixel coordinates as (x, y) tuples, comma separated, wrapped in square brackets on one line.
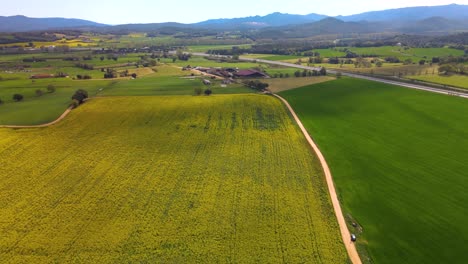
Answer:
[(403, 84)]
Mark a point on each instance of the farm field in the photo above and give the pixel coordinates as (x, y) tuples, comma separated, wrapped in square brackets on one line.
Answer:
[(412, 53), (452, 80), (280, 57), (398, 157), (160, 80), (277, 85), (205, 48), (174, 179)]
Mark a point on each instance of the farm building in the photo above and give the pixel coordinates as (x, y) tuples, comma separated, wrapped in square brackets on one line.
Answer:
[(251, 74)]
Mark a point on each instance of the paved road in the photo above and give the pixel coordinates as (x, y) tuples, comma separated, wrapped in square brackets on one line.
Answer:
[(407, 85)]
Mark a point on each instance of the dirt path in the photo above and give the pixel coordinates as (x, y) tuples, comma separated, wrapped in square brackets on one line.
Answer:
[(350, 247), (43, 125)]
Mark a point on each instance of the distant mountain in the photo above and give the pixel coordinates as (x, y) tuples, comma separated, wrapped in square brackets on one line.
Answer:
[(271, 20), (435, 25), (147, 27), (453, 11), (333, 26), (22, 23), (325, 26), (433, 18)]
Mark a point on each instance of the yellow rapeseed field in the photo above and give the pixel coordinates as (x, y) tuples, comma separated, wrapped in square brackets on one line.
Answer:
[(218, 179)]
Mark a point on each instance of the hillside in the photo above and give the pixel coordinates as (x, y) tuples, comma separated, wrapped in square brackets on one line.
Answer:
[(395, 18), (452, 11), (22, 23)]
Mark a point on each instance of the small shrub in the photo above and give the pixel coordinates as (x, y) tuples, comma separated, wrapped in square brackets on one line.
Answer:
[(39, 92), (50, 88), (208, 92), (18, 97), (74, 103), (198, 91)]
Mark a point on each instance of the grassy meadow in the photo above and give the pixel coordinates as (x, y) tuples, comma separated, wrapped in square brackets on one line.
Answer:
[(398, 157), (455, 80), (169, 179)]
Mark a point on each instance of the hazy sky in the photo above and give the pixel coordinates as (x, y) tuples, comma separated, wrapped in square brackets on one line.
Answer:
[(148, 11)]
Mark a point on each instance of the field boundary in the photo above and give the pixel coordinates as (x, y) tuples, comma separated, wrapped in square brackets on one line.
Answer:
[(67, 111), (346, 235)]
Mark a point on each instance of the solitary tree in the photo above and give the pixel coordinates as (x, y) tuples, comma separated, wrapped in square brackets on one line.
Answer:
[(18, 97), (80, 95), (134, 75), (323, 71), (208, 92)]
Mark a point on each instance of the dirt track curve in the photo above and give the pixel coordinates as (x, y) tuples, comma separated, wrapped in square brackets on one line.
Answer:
[(346, 235), (42, 125)]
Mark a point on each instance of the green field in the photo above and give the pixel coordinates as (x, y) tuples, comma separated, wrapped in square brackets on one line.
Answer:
[(415, 54), (170, 179), (452, 80), (399, 161), (205, 48), (281, 57), (327, 53)]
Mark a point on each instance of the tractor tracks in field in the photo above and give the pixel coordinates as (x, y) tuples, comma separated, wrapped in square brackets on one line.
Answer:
[(346, 235)]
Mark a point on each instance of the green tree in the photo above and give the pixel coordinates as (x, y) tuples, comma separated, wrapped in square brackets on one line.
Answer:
[(446, 69), (198, 91), (208, 92), (80, 95), (18, 97), (323, 71)]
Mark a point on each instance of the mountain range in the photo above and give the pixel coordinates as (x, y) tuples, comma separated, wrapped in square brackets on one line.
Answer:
[(433, 18)]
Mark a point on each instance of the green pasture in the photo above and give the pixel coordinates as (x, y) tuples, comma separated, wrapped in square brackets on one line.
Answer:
[(398, 157), (456, 80)]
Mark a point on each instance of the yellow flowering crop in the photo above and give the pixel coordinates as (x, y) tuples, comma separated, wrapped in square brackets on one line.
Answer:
[(207, 179)]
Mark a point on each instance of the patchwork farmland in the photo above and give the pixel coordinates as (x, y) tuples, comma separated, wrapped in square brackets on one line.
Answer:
[(172, 179)]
